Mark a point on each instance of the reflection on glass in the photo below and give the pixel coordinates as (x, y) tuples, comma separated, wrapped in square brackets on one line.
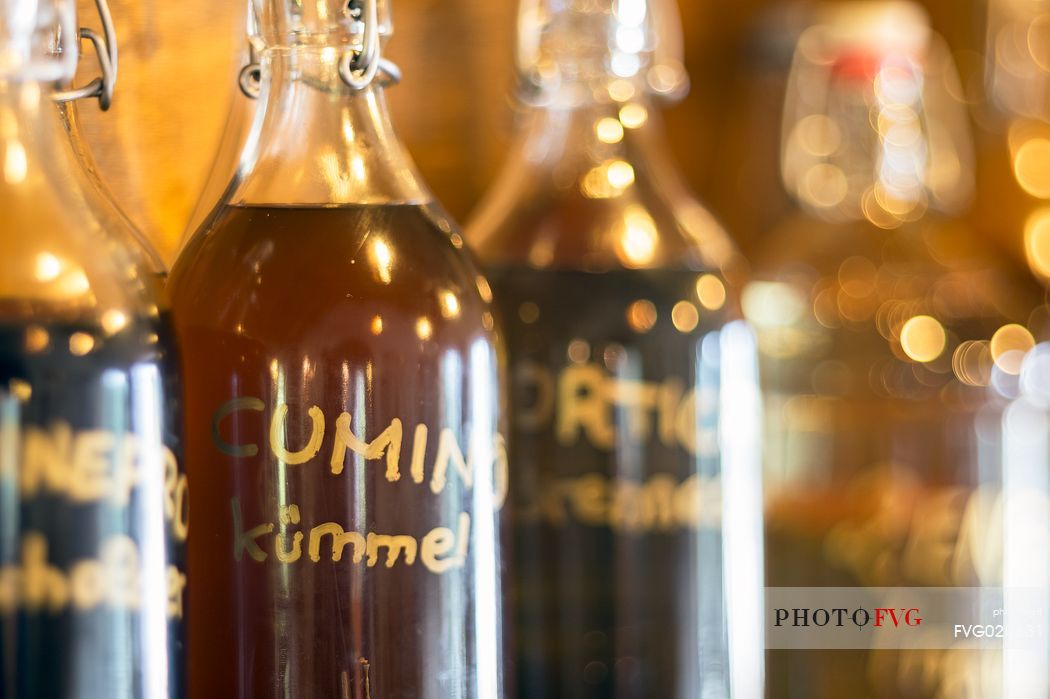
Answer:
[(1025, 507)]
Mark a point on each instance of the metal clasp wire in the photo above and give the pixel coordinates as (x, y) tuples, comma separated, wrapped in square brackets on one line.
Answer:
[(358, 67), (106, 49)]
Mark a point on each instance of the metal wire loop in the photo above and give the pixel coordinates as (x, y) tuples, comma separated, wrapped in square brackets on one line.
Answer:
[(250, 78), (359, 67), (358, 76), (106, 50)]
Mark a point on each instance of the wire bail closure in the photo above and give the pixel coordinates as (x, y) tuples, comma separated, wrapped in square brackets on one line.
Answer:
[(359, 67), (106, 50)]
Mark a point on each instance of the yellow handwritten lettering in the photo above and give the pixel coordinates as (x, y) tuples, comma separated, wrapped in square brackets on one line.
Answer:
[(582, 404), (438, 542), (176, 592), (395, 545), (288, 516), (501, 473), (340, 539), (120, 561), (419, 450), (93, 459), (225, 410), (389, 441), (278, 437), (658, 505), (590, 498), (246, 541), (44, 459)]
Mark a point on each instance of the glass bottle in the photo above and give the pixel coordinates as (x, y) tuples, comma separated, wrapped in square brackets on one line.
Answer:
[(612, 284), (92, 496), (890, 340), (344, 397)]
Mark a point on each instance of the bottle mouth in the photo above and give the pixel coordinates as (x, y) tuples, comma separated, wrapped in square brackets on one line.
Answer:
[(567, 44), (291, 24), (348, 36)]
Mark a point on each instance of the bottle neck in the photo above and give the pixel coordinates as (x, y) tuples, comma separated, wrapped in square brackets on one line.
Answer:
[(317, 142), (600, 46), (572, 137)]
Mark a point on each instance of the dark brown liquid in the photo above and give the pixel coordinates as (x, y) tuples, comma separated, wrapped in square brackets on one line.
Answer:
[(76, 401), (617, 483), (376, 314)]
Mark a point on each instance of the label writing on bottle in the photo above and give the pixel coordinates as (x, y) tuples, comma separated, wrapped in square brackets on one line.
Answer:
[(581, 400), (585, 402), (85, 468), (288, 540)]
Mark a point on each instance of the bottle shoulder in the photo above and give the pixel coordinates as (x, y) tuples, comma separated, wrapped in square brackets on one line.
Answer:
[(65, 263), (567, 200), (333, 275), (567, 229)]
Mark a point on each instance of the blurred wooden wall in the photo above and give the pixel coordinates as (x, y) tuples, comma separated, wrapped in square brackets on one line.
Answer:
[(177, 83)]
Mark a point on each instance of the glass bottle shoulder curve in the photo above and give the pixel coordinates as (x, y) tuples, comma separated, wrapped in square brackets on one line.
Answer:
[(65, 254), (358, 268), (594, 188)]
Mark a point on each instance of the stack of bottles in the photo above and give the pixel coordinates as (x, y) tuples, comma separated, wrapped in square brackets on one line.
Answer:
[(565, 452)]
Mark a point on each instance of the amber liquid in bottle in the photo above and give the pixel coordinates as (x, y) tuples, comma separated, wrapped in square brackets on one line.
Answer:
[(343, 389)]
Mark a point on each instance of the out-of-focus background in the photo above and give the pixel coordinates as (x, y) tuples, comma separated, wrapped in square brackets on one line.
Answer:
[(455, 107)]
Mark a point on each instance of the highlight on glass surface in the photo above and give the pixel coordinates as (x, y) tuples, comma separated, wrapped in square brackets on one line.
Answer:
[(634, 407), (343, 393), (892, 344), (92, 496)]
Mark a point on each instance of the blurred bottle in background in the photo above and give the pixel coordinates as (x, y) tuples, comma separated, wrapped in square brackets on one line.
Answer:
[(891, 339), (634, 398), (92, 497)]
